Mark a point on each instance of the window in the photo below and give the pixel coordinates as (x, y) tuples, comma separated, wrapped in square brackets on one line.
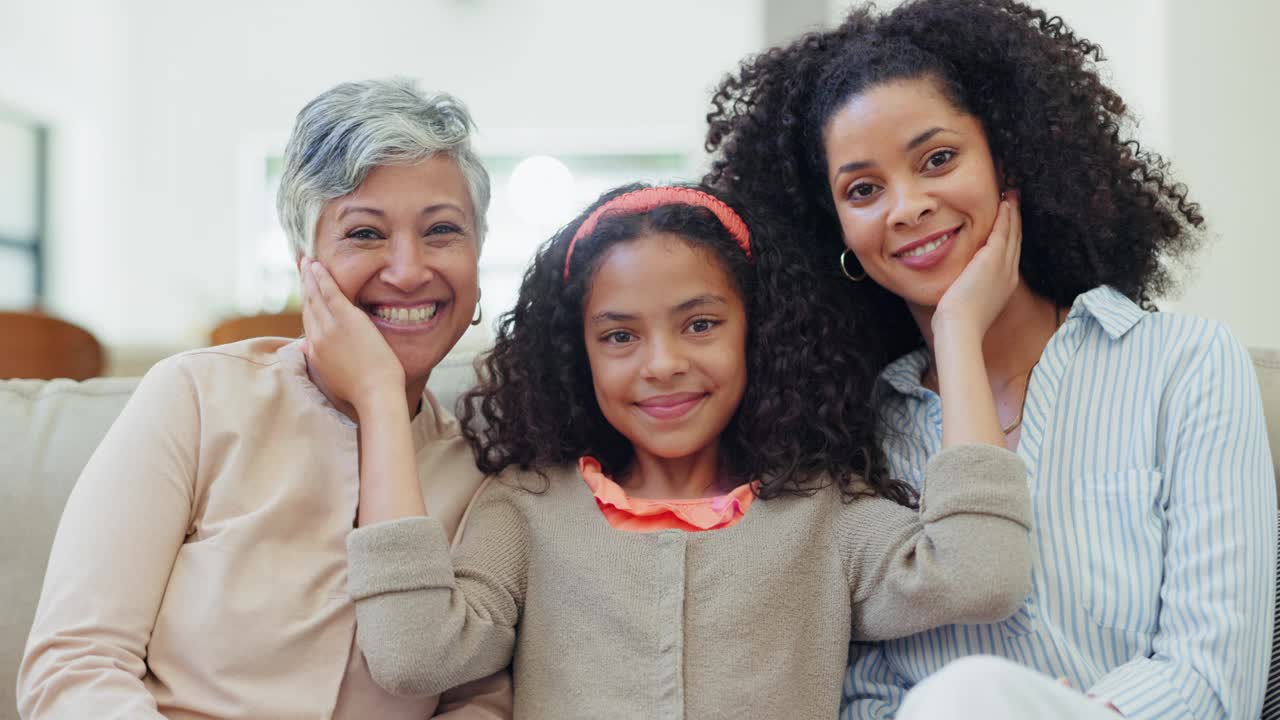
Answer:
[(23, 169)]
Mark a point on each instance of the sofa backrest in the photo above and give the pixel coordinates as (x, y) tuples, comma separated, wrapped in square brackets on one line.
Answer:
[(48, 429)]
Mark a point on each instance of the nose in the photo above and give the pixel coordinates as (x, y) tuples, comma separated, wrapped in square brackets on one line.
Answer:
[(911, 205), (665, 360), (405, 267)]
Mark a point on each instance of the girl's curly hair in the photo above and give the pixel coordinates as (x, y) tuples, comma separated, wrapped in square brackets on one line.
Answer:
[(535, 406), (1096, 208)]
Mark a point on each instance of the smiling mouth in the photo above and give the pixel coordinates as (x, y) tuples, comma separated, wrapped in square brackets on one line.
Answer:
[(671, 407), (924, 248), (405, 316)]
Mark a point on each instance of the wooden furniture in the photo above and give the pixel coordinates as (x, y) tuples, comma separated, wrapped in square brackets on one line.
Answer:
[(286, 324), (35, 345)]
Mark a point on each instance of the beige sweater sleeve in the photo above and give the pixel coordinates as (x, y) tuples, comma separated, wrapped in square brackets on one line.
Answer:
[(116, 543), (965, 557), (423, 627)]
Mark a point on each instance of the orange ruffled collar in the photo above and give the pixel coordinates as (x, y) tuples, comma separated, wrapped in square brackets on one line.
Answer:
[(645, 515)]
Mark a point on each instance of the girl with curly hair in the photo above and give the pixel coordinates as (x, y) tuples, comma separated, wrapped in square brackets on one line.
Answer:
[(886, 145), (665, 533)]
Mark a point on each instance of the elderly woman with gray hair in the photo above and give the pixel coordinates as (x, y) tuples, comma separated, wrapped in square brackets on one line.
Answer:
[(199, 569)]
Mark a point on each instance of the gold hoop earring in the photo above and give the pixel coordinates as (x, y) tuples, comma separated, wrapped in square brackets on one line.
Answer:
[(479, 310), (844, 267)]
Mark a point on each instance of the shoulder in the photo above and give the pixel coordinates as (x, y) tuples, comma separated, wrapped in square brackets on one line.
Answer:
[(1181, 346), (234, 363), (1153, 342), (514, 501)]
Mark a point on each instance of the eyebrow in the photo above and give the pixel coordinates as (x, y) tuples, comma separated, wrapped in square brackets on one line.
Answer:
[(698, 301), (914, 143), (610, 316), (428, 210)]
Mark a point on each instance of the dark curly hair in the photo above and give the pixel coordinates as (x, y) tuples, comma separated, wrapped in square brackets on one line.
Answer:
[(1096, 208), (535, 407)]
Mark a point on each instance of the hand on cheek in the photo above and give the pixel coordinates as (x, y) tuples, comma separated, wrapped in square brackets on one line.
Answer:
[(983, 288), (343, 347)]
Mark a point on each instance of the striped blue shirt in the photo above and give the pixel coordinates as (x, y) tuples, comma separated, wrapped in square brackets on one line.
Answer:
[(1154, 503)]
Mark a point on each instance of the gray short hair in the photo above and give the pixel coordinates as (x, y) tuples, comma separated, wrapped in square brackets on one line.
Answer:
[(347, 131)]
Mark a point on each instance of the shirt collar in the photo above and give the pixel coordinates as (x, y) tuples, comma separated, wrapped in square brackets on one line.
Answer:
[(1116, 313)]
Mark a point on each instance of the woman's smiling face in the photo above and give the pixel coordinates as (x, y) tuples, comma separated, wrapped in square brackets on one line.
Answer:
[(403, 248), (914, 186)]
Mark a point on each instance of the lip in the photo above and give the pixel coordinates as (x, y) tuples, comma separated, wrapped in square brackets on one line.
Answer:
[(933, 257), (386, 326), (671, 407)]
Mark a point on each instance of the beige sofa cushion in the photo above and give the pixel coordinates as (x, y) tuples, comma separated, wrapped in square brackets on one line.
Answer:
[(1267, 364), (47, 432)]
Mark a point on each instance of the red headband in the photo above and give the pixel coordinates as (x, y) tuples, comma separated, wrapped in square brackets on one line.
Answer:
[(647, 199)]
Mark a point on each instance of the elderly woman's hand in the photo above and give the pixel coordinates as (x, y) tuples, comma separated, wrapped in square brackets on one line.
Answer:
[(343, 347)]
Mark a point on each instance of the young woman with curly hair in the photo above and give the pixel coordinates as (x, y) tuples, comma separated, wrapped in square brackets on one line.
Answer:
[(885, 146), (665, 534)]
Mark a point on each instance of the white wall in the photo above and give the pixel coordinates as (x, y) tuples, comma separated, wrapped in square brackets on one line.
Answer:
[(190, 86), (61, 64), (1224, 102)]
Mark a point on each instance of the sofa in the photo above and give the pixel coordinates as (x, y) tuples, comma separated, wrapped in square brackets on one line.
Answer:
[(48, 429)]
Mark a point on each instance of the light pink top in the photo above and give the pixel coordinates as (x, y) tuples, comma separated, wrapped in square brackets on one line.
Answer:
[(200, 567)]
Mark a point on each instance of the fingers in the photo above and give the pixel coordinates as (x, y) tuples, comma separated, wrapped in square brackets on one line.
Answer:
[(1013, 200), (998, 239), (317, 319), (324, 283)]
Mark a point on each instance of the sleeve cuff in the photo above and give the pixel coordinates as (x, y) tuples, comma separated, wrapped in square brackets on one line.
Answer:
[(398, 555), (1141, 689), (976, 478)]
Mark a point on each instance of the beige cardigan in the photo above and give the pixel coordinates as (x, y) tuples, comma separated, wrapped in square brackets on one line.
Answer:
[(199, 569), (753, 620)]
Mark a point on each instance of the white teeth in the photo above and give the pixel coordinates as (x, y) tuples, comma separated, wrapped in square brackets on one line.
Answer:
[(927, 247), (408, 316)]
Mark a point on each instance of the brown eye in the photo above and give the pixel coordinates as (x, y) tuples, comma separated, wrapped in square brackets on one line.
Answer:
[(938, 159), (364, 234), (702, 325), (862, 191), (443, 229)]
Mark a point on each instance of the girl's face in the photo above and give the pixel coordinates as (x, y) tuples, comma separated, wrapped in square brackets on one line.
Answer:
[(402, 247), (665, 331), (914, 186)]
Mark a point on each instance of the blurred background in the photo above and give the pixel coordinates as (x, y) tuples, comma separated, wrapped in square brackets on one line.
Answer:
[(140, 140)]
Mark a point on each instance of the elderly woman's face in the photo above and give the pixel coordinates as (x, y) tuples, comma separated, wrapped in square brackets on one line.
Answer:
[(402, 247)]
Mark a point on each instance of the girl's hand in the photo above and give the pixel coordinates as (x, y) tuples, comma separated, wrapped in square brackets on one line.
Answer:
[(983, 288), (344, 349)]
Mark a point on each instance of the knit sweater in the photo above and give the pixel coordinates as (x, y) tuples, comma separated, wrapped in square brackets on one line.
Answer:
[(753, 619)]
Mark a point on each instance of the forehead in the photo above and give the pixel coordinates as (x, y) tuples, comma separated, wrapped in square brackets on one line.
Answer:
[(433, 181), (887, 116), (654, 273)]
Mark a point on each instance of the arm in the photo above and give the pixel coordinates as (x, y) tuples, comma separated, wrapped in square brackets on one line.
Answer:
[(1209, 656), (423, 627), (965, 558), (959, 324), (350, 360), (122, 527), (427, 624), (872, 691)]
